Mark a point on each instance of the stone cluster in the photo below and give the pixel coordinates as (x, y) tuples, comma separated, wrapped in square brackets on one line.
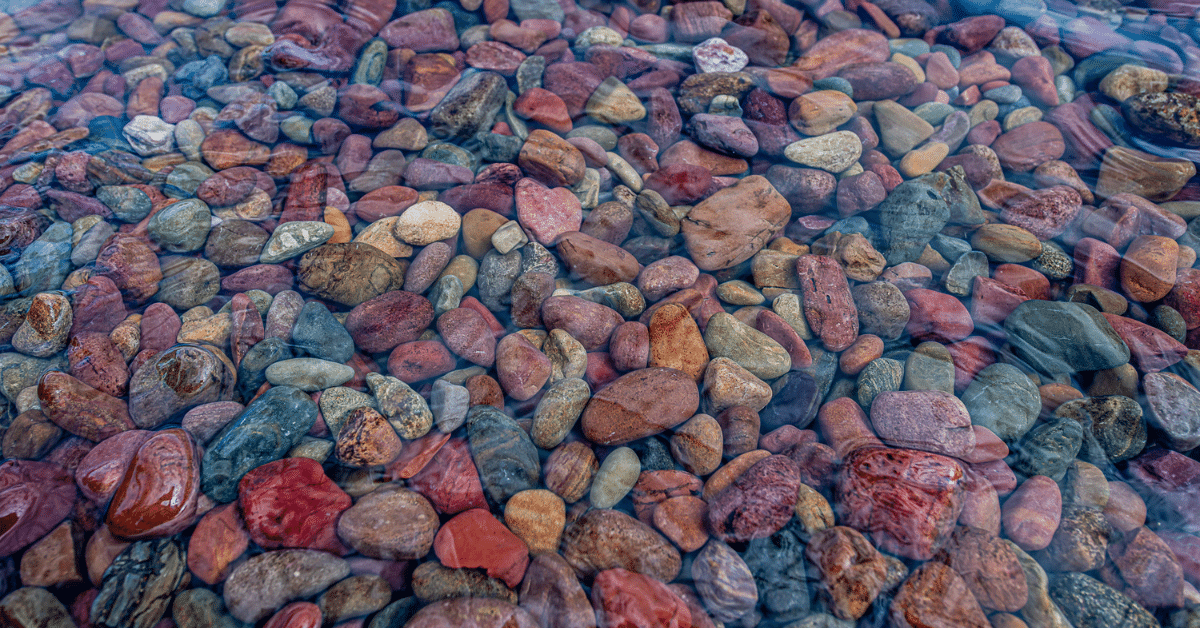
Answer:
[(559, 314)]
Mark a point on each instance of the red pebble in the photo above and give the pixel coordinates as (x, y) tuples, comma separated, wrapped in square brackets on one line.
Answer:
[(476, 539), (623, 599), (158, 495), (292, 503)]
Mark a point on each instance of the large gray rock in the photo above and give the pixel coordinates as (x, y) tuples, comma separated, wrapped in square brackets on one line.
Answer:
[(1002, 399), (1060, 337)]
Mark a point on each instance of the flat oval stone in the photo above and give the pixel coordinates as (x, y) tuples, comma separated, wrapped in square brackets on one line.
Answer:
[(294, 238), (472, 612), (1003, 399), (266, 582), (383, 322), (1062, 337), (607, 539), (160, 490), (176, 380), (640, 404), (727, 337), (309, 374), (930, 420), (349, 273), (390, 523)]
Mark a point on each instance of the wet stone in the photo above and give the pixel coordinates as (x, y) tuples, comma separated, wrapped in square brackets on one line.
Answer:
[(266, 582), (505, 456), (138, 586), (270, 426), (176, 380)]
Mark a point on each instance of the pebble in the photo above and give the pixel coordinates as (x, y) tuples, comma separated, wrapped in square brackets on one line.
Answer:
[(476, 539), (832, 152), (640, 404), (268, 581), (1032, 514), (617, 474), (926, 487), (933, 421)]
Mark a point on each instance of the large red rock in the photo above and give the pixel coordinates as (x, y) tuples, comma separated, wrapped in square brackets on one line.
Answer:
[(102, 469), (219, 539), (624, 599), (450, 480), (158, 495), (291, 503), (758, 503), (906, 501), (476, 539)]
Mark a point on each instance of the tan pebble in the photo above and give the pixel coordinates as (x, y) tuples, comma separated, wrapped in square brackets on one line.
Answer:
[(213, 330), (681, 519), (341, 227), (697, 445), (1006, 243), (465, 268), (923, 160), (813, 511), (1120, 380), (1125, 509), (380, 235), (727, 384), (738, 292), (1086, 485), (1054, 395), (911, 64), (538, 517)]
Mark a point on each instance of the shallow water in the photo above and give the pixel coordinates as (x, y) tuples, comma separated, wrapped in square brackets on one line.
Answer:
[(753, 313)]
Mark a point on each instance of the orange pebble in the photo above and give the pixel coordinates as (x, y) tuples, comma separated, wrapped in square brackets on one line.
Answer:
[(855, 358), (341, 226)]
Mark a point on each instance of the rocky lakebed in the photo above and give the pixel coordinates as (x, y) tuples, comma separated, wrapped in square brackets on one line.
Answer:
[(599, 314)]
